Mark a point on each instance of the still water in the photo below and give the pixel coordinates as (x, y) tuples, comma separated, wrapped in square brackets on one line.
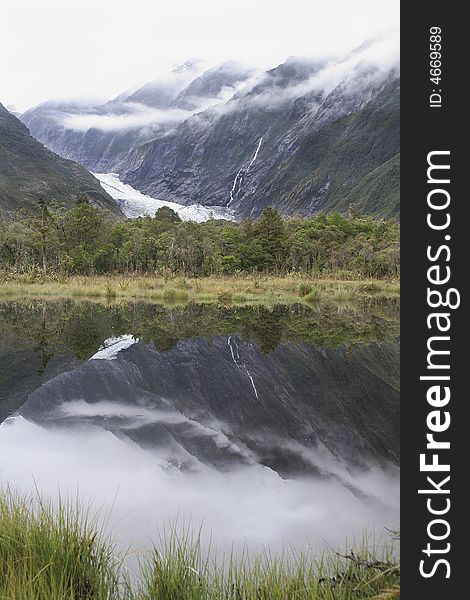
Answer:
[(263, 425)]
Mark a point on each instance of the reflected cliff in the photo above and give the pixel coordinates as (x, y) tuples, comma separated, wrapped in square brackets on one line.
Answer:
[(207, 411)]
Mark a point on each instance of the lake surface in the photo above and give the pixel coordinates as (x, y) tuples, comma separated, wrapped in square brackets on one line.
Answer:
[(265, 425)]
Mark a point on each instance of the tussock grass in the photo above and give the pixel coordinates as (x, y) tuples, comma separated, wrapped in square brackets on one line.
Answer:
[(184, 571), (53, 553), (304, 289), (59, 553), (314, 296), (172, 296), (262, 289)]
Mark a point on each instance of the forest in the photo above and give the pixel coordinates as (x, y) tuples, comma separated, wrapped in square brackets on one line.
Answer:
[(84, 241)]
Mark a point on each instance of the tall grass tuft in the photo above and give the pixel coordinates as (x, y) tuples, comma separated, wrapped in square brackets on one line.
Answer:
[(179, 570), (314, 296), (175, 295), (183, 571), (58, 553), (52, 553), (110, 291), (305, 289)]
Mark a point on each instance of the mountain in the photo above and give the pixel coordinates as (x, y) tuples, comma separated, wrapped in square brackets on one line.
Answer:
[(305, 136), (213, 85), (224, 403), (28, 172), (100, 137), (377, 193), (288, 141), (160, 93)]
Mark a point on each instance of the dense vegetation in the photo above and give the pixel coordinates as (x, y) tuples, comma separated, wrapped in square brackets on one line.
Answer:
[(353, 158), (58, 554), (81, 240), (28, 171)]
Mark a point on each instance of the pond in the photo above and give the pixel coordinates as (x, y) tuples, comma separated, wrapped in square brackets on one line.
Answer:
[(263, 425)]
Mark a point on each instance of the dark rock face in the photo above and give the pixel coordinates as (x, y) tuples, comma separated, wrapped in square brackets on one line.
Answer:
[(222, 402), (96, 149), (14, 389), (277, 145), (28, 172), (285, 138)]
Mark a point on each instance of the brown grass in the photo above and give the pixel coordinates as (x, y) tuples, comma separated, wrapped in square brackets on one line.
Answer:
[(240, 289)]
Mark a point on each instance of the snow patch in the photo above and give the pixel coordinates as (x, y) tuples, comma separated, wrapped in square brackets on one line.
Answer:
[(10, 421), (112, 346)]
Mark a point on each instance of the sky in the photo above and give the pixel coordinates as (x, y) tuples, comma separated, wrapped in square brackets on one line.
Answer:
[(99, 48)]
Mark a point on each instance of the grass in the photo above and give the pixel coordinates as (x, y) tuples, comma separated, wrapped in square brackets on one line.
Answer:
[(183, 570), (172, 296), (313, 296), (51, 553), (238, 290)]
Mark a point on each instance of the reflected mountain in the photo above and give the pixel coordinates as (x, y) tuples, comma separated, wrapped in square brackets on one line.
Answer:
[(224, 403), (266, 423)]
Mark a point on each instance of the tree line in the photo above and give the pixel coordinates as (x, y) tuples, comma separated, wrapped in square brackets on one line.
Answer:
[(82, 240)]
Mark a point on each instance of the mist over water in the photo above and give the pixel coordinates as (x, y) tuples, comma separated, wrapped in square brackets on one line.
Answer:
[(179, 434), (140, 493)]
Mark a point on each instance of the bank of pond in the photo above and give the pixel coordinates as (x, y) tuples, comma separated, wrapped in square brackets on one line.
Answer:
[(60, 552)]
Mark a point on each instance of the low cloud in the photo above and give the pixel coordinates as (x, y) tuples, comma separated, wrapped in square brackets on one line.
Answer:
[(137, 417), (139, 116), (136, 117), (366, 66), (139, 493)]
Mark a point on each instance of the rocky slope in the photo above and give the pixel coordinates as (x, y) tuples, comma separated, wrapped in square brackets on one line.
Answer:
[(100, 137), (306, 136), (224, 403), (29, 172), (287, 142)]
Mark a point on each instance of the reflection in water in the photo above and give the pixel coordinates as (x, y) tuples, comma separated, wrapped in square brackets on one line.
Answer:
[(249, 504), (264, 441)]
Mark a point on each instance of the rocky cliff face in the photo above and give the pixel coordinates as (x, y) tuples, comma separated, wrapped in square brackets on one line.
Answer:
[(277, 144), (304, 137), (223, 403), (29, 172)]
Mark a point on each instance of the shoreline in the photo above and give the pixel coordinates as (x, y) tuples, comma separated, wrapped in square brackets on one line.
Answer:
[(62, 550), (255, 289)]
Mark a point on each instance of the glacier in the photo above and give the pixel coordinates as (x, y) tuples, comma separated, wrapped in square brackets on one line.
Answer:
[(134, 204)]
